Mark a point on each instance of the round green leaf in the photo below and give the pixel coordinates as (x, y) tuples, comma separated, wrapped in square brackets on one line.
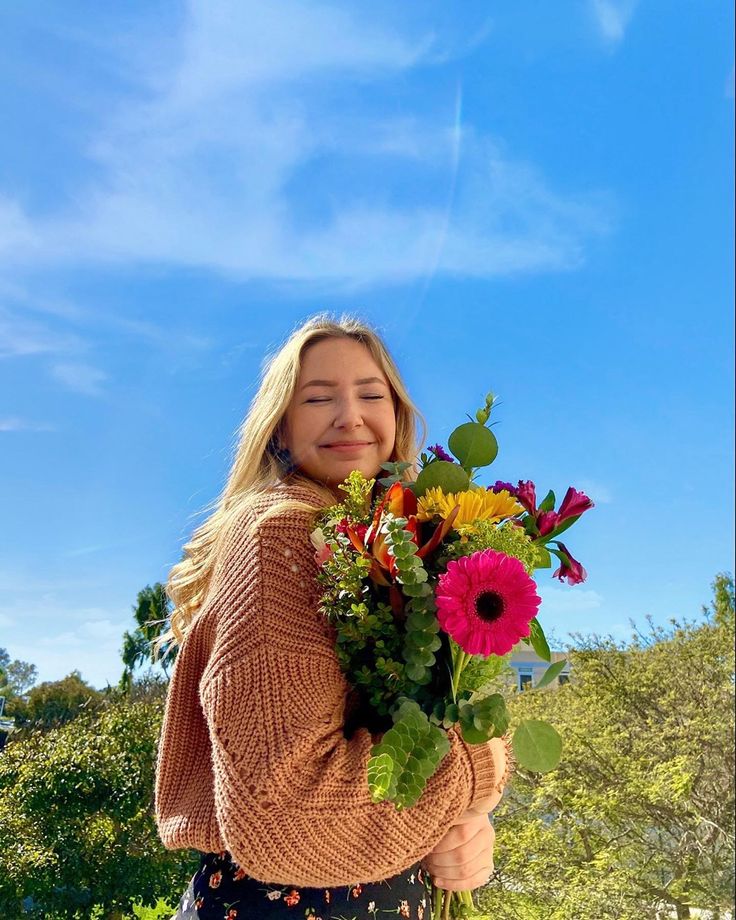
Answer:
[(441, 474), (473, 445), (537, 746)]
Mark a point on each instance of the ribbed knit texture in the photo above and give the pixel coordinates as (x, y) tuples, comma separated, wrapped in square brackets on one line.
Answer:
[(252, 756)]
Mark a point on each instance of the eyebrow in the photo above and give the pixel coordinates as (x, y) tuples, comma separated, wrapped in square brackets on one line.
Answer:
[(333, 383)]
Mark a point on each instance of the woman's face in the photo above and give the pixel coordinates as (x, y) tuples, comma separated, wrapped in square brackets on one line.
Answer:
[(341, 417)]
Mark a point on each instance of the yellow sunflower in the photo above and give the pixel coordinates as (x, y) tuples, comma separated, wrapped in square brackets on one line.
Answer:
[(475, 505)]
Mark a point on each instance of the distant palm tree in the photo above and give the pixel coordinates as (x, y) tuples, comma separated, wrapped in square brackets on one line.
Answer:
[(151, 612)]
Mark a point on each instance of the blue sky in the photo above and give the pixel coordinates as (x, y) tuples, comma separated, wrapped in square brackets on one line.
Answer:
[(533, 199)]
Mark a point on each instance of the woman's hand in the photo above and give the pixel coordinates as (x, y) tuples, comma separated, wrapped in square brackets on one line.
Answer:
[(463, 859)]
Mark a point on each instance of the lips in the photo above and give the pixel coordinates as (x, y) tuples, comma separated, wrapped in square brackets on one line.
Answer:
[(347, 445)]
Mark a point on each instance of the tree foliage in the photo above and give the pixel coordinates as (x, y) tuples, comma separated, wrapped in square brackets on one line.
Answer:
[(16, 679), (151, 612), (76, 824), (55, 702), (638, 819)]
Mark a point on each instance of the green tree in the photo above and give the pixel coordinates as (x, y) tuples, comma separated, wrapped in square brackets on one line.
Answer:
[(638, 819), (16, 679), (76, 827), (151, 612), (55, 702)]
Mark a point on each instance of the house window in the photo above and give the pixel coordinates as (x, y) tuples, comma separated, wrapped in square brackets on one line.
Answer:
[(525, 679)]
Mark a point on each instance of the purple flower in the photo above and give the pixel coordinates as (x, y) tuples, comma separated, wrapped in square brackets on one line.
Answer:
[(574, 573), (440, 453), (499, 486), (527, 495)]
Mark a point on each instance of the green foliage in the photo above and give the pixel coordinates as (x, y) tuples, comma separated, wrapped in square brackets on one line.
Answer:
[(537, 746), (505, 538), (161, 910), (639, 815), (151, 611), (357, 489), (55, 702), (408, 753), (450, 477), (474, 445), (76, 824), (16, 679)]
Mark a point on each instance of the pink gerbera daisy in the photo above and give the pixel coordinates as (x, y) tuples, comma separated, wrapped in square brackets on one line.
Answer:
[(485, 602)]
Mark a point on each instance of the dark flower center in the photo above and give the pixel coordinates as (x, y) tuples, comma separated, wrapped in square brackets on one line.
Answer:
[(489, 606)]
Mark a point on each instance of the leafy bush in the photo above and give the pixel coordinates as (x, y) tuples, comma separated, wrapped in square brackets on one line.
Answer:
[(76, 821), (638, 819)]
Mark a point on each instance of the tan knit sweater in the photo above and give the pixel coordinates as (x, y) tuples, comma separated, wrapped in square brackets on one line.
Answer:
[(252, 756)]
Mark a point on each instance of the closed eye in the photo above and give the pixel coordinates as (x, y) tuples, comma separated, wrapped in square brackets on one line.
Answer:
[(321, 399)]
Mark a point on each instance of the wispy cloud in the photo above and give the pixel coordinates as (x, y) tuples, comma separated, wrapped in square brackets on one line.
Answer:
[(612, 17), (599, 493), (558, 601), (21, 336), (240, 158), (20, 424), (92, 647), (82, 378)]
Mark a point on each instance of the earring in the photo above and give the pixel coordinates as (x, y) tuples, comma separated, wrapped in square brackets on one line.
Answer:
[(283, 458)]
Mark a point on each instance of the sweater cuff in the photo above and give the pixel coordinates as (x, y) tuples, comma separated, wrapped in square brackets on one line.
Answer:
[(482, 764)]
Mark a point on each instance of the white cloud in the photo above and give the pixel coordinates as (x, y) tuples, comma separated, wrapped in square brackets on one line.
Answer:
[(16, 230), (599, 493), (612, 17), (20, 336), (60, 639), (211, 167), (573, 600), (82, 378), (19, 424)]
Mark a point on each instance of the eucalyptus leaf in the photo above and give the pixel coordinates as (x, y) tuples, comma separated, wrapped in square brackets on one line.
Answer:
[(441, 474), (551, 673), (539, 641), (537, 746), (473, 444)]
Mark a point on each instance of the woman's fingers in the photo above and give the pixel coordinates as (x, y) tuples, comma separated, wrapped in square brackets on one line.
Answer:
[(467, 865)]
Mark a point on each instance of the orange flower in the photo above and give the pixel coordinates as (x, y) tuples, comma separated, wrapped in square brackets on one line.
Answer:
[(293, 897)]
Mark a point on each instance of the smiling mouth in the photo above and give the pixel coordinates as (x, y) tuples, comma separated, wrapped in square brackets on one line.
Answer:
[(347, 445)]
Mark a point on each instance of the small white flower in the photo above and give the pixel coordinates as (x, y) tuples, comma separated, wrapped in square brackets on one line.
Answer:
[(273, 895), (371, 905)]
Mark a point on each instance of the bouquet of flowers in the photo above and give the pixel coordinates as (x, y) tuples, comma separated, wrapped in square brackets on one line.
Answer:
[(429, 586)]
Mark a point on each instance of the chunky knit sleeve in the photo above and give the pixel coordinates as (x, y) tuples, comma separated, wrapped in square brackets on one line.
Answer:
[(291, 796)]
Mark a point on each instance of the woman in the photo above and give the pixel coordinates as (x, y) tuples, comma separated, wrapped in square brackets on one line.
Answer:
[(255, 768)]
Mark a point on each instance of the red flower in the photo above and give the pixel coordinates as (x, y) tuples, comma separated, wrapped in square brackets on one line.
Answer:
[(215, 880), (547, 521), (573, 504), (485, 602), (293, 897), (527, 495), (573, 572)]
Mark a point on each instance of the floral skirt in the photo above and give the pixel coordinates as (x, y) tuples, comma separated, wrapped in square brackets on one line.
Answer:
[(220, 890)]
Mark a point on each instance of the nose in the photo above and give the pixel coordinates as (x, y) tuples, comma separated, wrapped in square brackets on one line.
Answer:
[(348, 415)]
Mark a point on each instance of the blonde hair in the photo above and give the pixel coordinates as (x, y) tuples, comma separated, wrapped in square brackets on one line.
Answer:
[(257, 467)]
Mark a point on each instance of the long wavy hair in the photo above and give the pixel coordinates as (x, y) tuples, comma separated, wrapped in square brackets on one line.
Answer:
[(258, 465)]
